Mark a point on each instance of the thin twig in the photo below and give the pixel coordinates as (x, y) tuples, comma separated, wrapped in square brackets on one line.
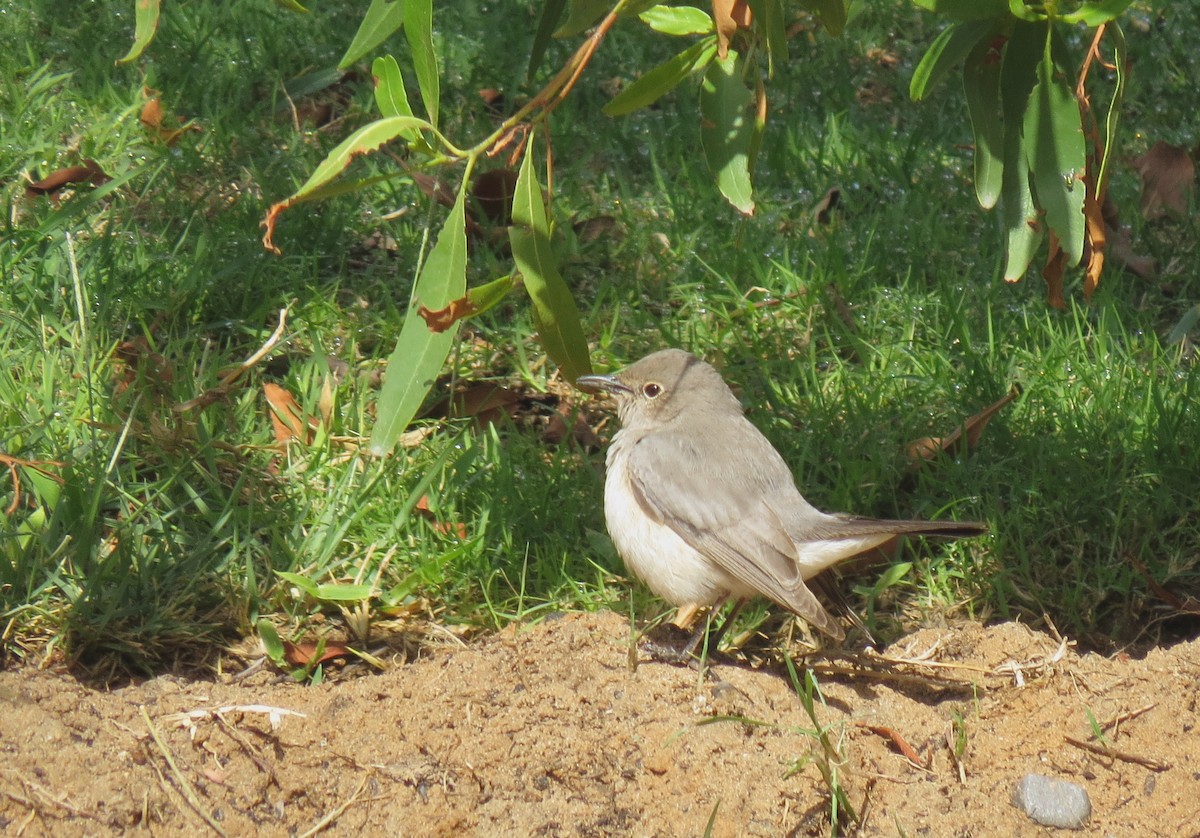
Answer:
[(1124, 756), (217, 393), (336, 813), (186, 788)]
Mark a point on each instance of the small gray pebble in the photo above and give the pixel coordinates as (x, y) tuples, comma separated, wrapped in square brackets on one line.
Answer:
[(1052, 802)]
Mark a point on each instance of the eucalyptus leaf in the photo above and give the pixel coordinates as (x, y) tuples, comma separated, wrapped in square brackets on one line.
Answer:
[(1057, 153), (381, 21), (727, 129), (662, 79), (981, 86), (678, 20), (421, 353), (1018, 73), (554, 311)]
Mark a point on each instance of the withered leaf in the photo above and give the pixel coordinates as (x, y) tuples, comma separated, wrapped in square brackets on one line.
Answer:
[(1168, 179), (729, 16), (443, 318), (287, 418), (493, 190), (89, 172), (444, 527), (1056, 264), (302, 654), (152, 118), (968, 433)]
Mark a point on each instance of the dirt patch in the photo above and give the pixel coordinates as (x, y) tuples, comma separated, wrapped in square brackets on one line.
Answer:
[(545, 730)]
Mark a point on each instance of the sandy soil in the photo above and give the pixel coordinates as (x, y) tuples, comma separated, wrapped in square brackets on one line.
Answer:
[(548, 730)]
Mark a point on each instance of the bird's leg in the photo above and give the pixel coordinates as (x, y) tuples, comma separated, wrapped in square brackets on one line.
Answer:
[(711, 639)]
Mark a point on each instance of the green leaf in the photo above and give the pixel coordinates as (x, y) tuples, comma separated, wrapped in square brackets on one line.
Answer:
[(1094, 14), (418, 28), (291, 6), (554, 311), (421, 353), (382, 19), (949, 48), (1021, 11), (771, 20), (390, 96), (966, 9), (832, 14), (313, 82), (1057, 155), (727, 130), (145, 24), (662, 79), (678, 20), (1018, 72), (981, 85), (365, 140), (551, 13), (1120, 57), (327, 593), (271, 642), (485, 297), (581, 16)]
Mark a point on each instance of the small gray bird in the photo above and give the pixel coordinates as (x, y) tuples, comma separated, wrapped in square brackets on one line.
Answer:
[(703, 509)]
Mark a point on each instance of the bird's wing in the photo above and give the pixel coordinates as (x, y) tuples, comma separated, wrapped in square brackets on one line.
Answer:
[(725, 513)]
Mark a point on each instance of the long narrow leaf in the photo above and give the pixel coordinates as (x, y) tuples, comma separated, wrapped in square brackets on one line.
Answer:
[(966, 9), (981, 85), (1094, 14), (1114, 107), (1057, 157), (727, 130), (662, 79), (382, 19), (418, 28), (948, 49), (551, 12), (420, 352), (555, 313), (145, 24), (365, 140), (1018, 73)]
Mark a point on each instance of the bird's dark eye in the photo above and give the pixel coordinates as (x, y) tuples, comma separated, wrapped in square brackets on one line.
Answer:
[(651, 390)]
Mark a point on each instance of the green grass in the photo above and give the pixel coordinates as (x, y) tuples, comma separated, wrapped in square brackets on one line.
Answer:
[(165, 535)]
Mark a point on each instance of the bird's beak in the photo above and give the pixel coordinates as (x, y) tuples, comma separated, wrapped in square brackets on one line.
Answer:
[(602, 384)]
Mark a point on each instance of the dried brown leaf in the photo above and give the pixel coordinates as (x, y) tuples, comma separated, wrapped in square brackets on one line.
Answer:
[(287, 417), (1056, 265), (302, 654), (443, 318), (1168, 179), (729, 16), (967, 433), (493, 190), (89, 172), (457, 529)]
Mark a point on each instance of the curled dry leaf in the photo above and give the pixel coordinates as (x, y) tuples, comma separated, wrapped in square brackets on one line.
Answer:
[(1168, 178), (457, 529), (493, 190), (968, 433), (443, 318), (152, 118), (729, 16), (303, 654), (898, 742), (287, 417), (89, 172)]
